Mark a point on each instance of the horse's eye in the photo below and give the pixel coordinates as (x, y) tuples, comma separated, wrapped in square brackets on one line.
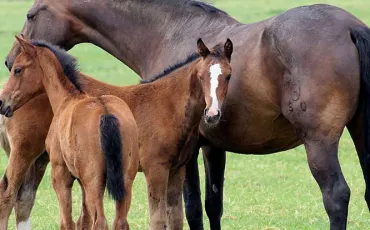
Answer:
[(17, 71), (30, 17), (228, 77)]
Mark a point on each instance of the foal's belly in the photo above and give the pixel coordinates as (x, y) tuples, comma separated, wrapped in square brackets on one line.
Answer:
[(252, 132)]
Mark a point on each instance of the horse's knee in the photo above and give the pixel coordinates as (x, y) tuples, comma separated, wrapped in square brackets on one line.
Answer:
[(336, 196), (25, 201)]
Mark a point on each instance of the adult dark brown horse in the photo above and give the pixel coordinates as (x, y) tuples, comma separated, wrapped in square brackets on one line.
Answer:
[(296, 80)]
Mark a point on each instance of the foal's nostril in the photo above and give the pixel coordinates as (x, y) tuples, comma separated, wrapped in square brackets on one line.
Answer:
[(7, 63), (205, 112)]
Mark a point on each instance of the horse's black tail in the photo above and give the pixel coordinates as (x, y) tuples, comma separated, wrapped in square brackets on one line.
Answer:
[(111, 143), (361, 38)]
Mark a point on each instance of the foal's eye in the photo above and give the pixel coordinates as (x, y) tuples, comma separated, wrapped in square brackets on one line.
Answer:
[(228, 77), (30, 17), (17, 71)]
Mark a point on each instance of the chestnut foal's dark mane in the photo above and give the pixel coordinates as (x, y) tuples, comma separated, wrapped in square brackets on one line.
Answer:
[(217, 52), (68, 62), (172, 68)]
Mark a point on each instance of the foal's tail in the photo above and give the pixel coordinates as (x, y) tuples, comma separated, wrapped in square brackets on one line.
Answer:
[(361, 37), (111, 143)]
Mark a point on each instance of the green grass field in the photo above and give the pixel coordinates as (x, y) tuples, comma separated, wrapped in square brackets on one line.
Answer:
[(261, 192)]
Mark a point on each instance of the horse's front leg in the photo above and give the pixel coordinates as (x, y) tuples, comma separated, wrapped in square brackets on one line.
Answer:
[(175, 214), (214, 163), (156, 175), (192, 195), (27, 192), (10, 184)]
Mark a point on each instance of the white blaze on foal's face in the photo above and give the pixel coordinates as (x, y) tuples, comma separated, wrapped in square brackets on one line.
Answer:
[(215, 71)]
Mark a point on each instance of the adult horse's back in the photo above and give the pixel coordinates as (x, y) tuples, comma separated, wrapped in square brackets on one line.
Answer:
[(296, 79)]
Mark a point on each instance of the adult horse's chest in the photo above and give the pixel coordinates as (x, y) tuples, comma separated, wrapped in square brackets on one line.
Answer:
[(252, 122)]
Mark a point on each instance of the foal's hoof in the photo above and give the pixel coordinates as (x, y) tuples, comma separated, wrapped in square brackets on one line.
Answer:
[(121, 225)]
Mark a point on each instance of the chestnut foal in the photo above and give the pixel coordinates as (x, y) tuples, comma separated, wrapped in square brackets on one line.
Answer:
[(168, 110), (92, 139)]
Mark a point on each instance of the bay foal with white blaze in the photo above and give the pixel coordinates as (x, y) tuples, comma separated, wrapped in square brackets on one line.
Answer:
[(92, 139)]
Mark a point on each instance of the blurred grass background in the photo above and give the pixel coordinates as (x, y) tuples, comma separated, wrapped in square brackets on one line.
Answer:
[(261, 192)]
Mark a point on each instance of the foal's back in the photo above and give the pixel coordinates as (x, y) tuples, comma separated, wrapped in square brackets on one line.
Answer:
[(80, 133)]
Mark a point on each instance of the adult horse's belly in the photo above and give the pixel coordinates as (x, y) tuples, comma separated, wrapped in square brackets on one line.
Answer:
[(256, 134)]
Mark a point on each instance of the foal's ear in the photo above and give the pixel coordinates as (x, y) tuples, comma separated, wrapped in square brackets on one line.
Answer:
[(202, 48), (228, 48), (26, 46)]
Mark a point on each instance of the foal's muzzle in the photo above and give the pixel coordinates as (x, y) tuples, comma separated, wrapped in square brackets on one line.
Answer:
[(212, 117), (5, 110), (7, 63)]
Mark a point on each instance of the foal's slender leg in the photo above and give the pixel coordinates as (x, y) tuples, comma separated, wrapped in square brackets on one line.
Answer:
[(11, 182), (175, 214), (9, 186), (322, 154), (62, 183), (94, 190), (27, 192), (84, 221), (356, 129), (123, 207), (192, 195), (156, 175), (214, 162)]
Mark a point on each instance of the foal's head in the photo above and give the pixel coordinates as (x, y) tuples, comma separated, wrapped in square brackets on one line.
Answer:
[(25, 78), (214, 73)]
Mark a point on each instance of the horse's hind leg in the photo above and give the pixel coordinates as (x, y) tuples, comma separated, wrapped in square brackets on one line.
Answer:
[(320, 131), (175, 214), (62, 182), (94, 191), (130, 167), (84, 221), (322, 155), (356, 129), (27, 192)]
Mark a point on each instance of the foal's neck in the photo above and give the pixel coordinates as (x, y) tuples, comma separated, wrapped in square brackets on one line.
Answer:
[(57, 86), (177, 96), (144, 34)]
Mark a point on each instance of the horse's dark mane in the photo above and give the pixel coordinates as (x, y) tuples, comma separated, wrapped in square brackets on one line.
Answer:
[(172, 68), (217, 52), (68, 63), (193, 3), (206, 7)]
